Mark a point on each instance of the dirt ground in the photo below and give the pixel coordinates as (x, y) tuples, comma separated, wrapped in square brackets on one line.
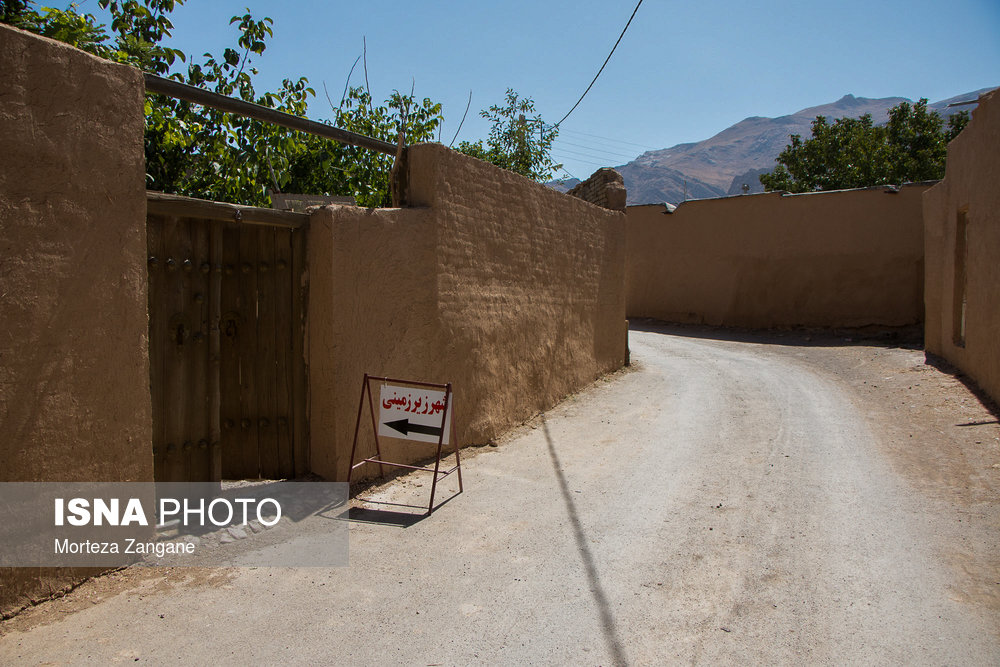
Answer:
[(777, 497)]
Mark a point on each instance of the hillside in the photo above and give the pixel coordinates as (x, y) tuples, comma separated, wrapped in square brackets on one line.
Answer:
[(721, 164)]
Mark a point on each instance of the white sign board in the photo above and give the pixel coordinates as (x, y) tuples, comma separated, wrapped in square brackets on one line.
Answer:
[(412, 413)]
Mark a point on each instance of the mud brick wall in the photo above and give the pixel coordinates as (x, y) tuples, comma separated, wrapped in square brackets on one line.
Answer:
[(74, 373), (962, 245), (511, 291), (833, 259), (605, 188)]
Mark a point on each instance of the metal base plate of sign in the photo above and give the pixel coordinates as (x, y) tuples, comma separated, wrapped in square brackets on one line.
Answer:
[(410, 410)]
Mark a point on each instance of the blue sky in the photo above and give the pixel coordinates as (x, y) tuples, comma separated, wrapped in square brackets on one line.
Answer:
[(684, 71)]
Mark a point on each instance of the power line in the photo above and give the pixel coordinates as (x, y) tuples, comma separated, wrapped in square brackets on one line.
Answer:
[(571, 158), (625, 149), (602, 66), (594, 156), (567, 176), (608, 139), (594, 149), (582, 155), (579, 161), (467, 105)]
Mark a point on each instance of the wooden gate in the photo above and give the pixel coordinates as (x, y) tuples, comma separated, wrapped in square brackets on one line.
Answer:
[(226, 330)]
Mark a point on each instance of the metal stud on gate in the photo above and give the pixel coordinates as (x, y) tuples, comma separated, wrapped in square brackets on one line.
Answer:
[(179, 330), (229, 325)]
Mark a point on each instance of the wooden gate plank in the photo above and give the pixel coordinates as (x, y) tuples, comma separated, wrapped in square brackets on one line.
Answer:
[(265, 366), (156, 288), (195, 395), (283, 351), (176, 242), (299, 388), (215, 251), (234, 325), (249, 459)]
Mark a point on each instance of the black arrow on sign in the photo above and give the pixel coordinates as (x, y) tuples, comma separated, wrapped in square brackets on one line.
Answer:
[(405, 427)]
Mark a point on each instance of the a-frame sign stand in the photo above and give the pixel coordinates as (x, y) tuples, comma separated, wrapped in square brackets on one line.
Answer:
[(410, 412)]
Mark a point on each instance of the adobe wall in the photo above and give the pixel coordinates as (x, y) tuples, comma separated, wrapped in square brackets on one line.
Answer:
[(511, 291), (372, 309), (605, 187), (74, 376), (834, 259), (970, 186)]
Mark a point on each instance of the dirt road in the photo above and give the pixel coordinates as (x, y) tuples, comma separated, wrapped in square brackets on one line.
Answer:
[(794, 499)]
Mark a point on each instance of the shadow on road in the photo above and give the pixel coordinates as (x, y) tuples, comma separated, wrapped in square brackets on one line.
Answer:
[(390, 517), (910, 338), (608, 625), (944, 366), (381, 517)]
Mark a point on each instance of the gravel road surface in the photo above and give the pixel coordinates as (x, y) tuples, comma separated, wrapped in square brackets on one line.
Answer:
[(731, 498)]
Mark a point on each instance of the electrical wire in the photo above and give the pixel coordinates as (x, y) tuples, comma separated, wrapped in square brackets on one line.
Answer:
[(608, 139), (602, 66), (467, 105), (579, 161), (594, 149), (583, 155)]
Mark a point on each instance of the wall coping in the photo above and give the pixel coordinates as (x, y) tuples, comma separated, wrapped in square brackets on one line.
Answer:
[(888, 189)]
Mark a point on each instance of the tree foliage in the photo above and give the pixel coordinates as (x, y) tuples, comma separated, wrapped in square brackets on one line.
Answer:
[(516, 142), (856, 153), (363, 173), (79, 30), (202, 152)]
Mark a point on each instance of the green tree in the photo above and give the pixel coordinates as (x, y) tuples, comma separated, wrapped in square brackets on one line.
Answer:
[(856, 153), (79, 30), (918, 142), (516, 142), (361, 172), (206, 153)]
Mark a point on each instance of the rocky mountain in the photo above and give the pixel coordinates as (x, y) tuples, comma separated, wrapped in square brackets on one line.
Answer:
[(722, 164)]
